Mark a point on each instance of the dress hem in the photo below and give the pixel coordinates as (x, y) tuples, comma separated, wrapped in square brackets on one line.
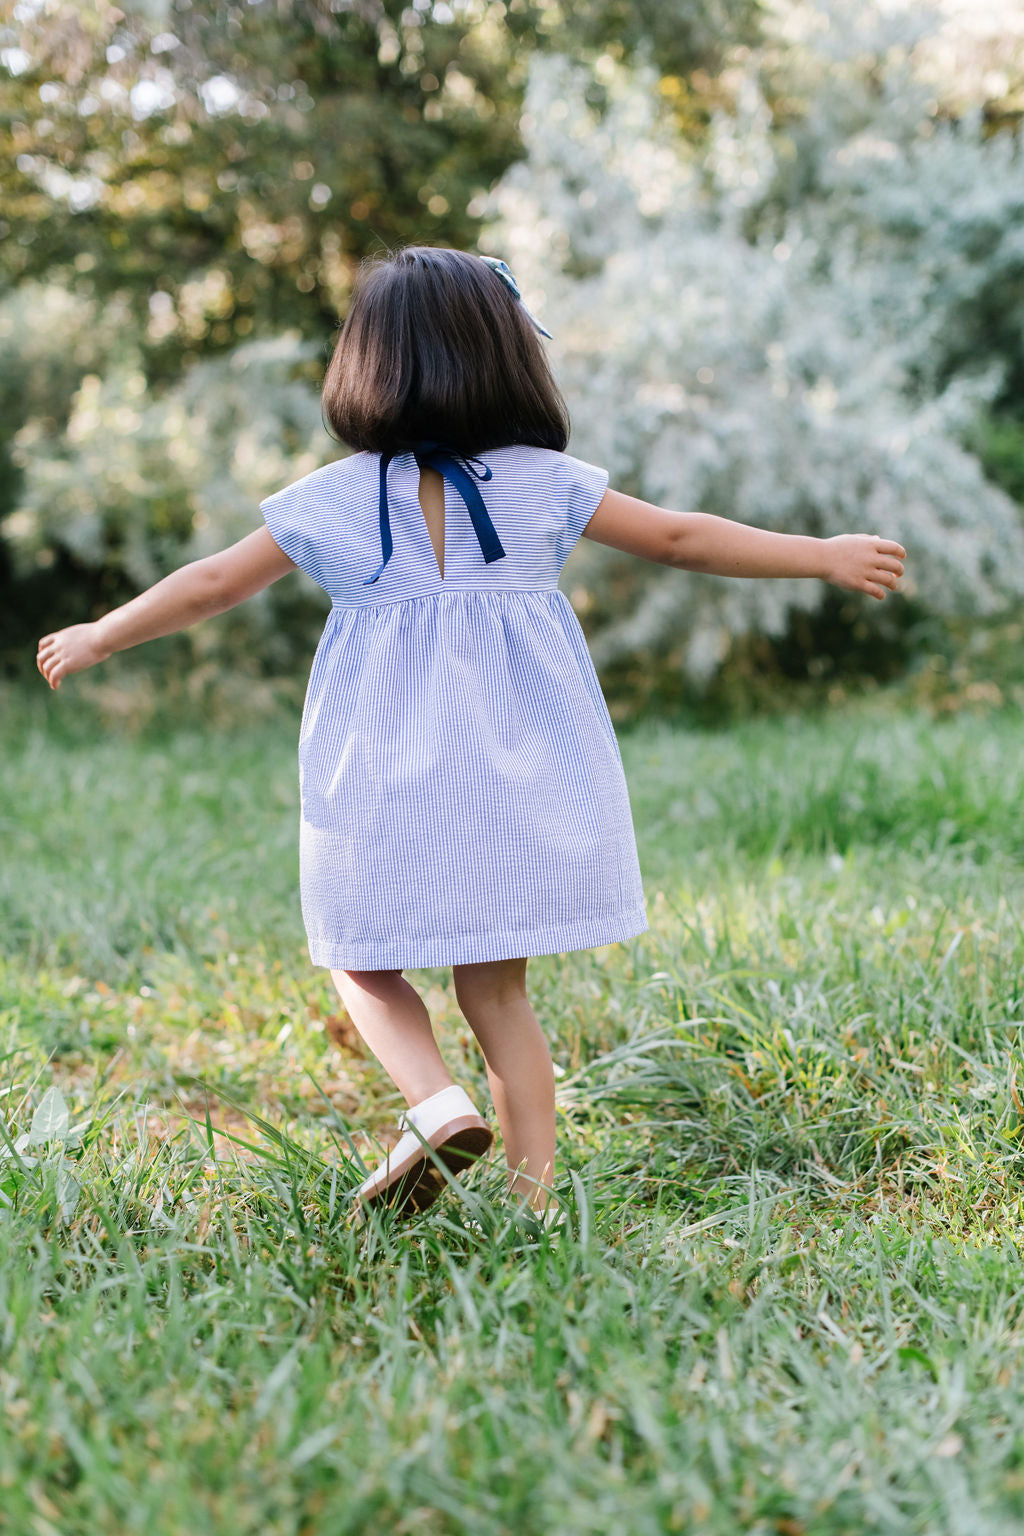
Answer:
[(557, 940)]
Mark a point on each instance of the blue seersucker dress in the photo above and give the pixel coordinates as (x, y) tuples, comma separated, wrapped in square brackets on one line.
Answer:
[(462, 790)]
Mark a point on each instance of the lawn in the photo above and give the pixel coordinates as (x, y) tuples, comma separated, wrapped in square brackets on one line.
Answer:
[(790, 1297)]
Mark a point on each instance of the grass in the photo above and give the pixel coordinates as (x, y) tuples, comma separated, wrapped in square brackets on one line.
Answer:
[(790, 1298)]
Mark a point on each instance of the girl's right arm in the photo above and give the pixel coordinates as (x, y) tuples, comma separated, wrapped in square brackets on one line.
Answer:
[(193, 592), (698, 541)]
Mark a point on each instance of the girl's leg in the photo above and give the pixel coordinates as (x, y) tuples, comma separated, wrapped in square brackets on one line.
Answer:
[(391, 1017), (493, 998)]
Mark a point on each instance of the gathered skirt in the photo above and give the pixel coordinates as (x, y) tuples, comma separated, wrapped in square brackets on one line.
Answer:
[(462, 789)]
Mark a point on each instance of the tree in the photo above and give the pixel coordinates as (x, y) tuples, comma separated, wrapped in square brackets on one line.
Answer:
[(181, 181), (790, 323)]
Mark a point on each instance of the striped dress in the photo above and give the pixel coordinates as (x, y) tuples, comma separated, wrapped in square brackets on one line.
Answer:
[(462, 790)]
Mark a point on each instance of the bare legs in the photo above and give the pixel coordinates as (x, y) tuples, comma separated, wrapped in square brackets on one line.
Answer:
[(390, 1016)]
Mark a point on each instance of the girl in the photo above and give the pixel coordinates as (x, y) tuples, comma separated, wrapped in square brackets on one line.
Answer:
[(463, 797)]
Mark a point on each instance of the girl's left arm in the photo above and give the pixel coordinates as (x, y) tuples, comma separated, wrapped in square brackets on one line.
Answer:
[(699, 541), (193, 592)]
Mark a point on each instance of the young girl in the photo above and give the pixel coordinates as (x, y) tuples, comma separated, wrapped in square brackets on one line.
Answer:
[(463, 797)]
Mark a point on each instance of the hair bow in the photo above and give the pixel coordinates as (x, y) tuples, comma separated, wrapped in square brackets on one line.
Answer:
[(503, 270)]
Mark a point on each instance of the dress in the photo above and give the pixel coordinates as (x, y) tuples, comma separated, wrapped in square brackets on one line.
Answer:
[(462, 790)]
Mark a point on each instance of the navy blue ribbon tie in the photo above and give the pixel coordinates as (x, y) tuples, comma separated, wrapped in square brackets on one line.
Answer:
[(458, 470)]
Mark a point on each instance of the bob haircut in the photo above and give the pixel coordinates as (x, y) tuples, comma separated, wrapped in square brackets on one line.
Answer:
[(436, 348)]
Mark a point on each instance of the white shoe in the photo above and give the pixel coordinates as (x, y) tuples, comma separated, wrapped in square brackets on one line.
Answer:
[(554, 1219), (451, 1126)]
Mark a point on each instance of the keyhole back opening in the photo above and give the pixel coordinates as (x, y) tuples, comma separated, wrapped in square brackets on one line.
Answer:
[(431, 499)]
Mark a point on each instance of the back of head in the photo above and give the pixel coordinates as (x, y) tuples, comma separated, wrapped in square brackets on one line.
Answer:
[(436, 348)]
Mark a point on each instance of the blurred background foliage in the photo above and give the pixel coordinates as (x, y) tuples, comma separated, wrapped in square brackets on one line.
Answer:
[(779, 245)]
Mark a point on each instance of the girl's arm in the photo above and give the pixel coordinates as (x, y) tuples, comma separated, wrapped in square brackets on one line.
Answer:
[(697, 541), (195, 591)]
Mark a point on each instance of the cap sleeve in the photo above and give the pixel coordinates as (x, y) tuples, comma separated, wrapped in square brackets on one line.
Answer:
[(282, 515), (586, 486)]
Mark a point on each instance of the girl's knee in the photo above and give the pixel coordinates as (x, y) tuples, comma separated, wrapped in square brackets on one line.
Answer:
[(489, 983), (376, 983)]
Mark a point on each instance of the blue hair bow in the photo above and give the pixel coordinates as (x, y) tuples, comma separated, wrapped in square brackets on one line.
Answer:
[(504, 271), (457, 468)]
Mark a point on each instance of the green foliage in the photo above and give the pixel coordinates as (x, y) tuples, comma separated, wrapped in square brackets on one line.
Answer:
[(788, 1295), (183, 182), (779, 249), (141, 482), (999, 443), (223, 169), (795, 322), (219, 166)]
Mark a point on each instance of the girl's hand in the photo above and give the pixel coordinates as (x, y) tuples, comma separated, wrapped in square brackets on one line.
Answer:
[(863, 562), (69, 650)]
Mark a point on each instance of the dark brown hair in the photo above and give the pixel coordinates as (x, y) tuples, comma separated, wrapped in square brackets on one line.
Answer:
[(436, 348)]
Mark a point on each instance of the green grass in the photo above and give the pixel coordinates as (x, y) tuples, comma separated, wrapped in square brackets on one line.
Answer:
[(791, 1296)]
